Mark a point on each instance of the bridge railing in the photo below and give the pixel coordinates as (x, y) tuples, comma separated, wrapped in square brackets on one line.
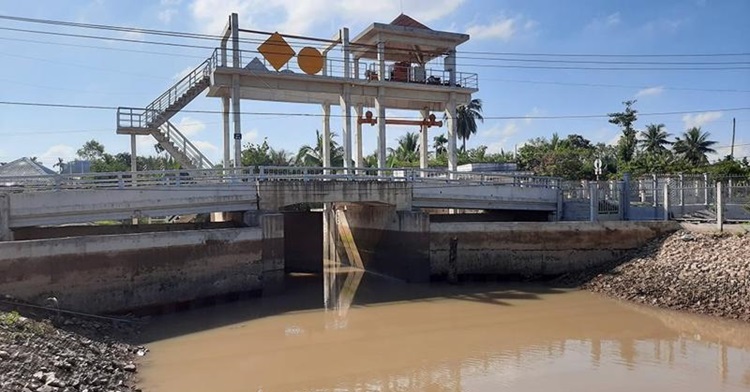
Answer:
[(224, 177)]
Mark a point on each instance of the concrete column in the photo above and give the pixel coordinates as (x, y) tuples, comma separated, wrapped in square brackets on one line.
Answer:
[(719, 207), (358, 151), (326, 136), (380, 108), (450, 66), (133, 156), (423, 143), (225, 121), (450, 112), (235, 30), (5, 233), (272, 254), (345, 48), (346, 109), (356, 68), (237, 115)]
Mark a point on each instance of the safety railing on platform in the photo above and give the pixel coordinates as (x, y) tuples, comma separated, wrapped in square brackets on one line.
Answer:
[(228, 177), (337, 68)]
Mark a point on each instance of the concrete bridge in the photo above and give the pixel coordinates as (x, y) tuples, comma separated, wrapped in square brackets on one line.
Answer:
[(63, 199)]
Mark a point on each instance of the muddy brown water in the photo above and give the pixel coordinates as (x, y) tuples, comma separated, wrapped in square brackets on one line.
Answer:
[(376, 334)]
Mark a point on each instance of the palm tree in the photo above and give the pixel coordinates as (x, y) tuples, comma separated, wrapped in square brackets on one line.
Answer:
[(313, 156), (440, 143), (60, 165), (694, 146), (279, 157), (408, 148), (654, 138), (466, 120)]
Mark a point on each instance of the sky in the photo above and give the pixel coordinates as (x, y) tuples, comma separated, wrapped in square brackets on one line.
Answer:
[(78, 71)]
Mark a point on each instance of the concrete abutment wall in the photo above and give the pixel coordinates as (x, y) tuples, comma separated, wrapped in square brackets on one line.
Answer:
[(531, 249), (119, 273)]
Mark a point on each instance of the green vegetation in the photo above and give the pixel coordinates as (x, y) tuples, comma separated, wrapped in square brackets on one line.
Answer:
[(572, 156), (9, 319)]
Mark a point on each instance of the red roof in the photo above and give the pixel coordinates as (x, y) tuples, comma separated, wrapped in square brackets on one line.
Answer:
[(404, 20)]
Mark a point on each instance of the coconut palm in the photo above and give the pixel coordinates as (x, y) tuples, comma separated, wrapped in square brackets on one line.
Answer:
[(313, 156), (694, 145), (466, 120), (440, 143), (654, 139), (408, 148), (279, 157)]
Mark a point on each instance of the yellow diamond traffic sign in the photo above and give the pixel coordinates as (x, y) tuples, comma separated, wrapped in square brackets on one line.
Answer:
[(276, 50)]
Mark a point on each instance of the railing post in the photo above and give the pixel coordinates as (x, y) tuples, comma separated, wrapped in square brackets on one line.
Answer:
[(719, 207), (625, 197), (262, 172), (305, 174), (120, 182), (681, 184), (57, 182), (594, 202), (666, 201), (705, 189)]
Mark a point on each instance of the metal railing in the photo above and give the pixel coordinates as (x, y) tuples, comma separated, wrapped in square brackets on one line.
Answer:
[(185, 146), (233, 176), (337, 68), (149, 116)]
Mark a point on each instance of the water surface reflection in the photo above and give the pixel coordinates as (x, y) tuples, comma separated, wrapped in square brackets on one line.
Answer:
[(377, 334)]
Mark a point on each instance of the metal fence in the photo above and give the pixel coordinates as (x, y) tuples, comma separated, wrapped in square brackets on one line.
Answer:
[(698, 198)]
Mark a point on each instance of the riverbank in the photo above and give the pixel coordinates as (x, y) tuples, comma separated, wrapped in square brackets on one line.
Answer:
[(705, 273), (47, 352)]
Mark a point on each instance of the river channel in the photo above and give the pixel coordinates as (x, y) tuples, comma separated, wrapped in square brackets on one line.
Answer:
[(362, 332)]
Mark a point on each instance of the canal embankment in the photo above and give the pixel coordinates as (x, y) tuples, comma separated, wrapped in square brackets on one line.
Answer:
[(689, 270)]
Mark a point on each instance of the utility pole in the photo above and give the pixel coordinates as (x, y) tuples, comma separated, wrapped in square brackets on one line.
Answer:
[(734, 124)]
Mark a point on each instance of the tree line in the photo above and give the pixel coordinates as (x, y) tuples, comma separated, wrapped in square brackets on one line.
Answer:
[(650, 150)]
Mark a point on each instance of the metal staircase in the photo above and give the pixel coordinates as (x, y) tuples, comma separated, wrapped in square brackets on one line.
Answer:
[(154, 119)]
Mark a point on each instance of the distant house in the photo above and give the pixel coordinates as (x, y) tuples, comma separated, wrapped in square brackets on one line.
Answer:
[(25, 171)]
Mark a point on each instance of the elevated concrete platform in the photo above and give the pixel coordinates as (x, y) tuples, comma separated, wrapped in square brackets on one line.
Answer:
[(315, 89)]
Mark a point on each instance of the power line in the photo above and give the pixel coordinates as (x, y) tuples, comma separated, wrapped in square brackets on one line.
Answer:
[(490, 117), (191, 35), (614, 85)]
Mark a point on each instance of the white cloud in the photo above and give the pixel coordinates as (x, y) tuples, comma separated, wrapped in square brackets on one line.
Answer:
[(664, 25), (166, 15), (296, 17), (209, 150), (250, 136), (183, 73), (533, 113), (170, 2), (189, 126), (133, 35), (600, 23), (700, 119), (503, 29), (657, 90), (49, 158)]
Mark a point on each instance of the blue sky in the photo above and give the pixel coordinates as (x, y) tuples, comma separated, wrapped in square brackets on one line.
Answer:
[(112, 74)]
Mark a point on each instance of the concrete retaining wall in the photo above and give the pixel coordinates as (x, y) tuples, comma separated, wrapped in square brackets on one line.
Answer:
[(536, 249), (106, 274)]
